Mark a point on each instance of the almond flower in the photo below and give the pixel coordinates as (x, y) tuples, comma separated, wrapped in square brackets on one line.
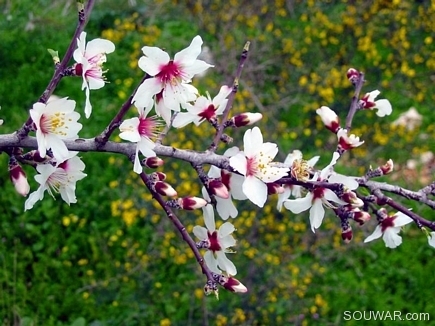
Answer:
[(389, 228), (90, 58), (254, 163), (204, 109), (329, 118), (55, 121), (217, 242), (299, 170), (346, 142), (169, 78), (319, 196), (60, 178), (368, 102), (139, 130)]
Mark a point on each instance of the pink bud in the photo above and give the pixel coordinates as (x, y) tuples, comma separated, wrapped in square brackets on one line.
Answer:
[(360, 216), (329, 118), (191, 203), (164, 189), (153, 162), (274, 188), (234, 285), (19, 180), (246, 119), (351, 198), (353, 75), (346, 233), (218, 188), (387, 167)]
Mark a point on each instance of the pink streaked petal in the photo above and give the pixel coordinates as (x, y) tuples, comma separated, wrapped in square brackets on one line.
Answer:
[(188, 55), (255, 190), (317, 213), (226, 264), (377, 233), (239, 163), (300, 204), (153, 60)]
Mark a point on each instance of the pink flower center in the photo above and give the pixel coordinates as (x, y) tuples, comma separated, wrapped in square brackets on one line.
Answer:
[(318, 192), (387, 223), (252, 166), (214, 242), (225, 178), (148, 127), (208, 113), (170, 73)]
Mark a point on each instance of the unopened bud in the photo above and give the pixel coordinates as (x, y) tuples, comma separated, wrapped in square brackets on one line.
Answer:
[(346, 141), (191, 203), (274, 188), (351, 198), (152, 162), (346, 233), (361, 216), (329, 118), (387, 167), (19, 180), (246, 119), (217, 188), (164, 189), (353, 75), (229, 283)]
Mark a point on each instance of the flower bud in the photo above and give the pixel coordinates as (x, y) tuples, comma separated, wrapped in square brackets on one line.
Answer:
[(346, 233), (274, 188), (387, 167), (152, 162), (329, 118), (246, 119), (346, 142), (229, 283), (351, 198), (353, 75), (19, 180), (191, 203), (164, 189), (360, 216), (217, 188)]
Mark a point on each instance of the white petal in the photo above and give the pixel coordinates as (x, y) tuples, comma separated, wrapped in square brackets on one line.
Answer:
[(377, 233), (226, 264), (239, 163), (183, 119), (226, 229), (145, 92), (226, 208), (209, 217), (200, 232), (252, 141), (236, 185), (384, 108), (331, 196), (255, 190), (282, 197), (153, 60), (391, 238), (188, 55), (300, 204), (97, 46), (431, 239), (317, 213), (402, 219), (34, 197), (211, 262)]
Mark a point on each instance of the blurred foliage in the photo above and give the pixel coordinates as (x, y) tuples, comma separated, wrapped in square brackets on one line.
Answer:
[(114, 259)]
